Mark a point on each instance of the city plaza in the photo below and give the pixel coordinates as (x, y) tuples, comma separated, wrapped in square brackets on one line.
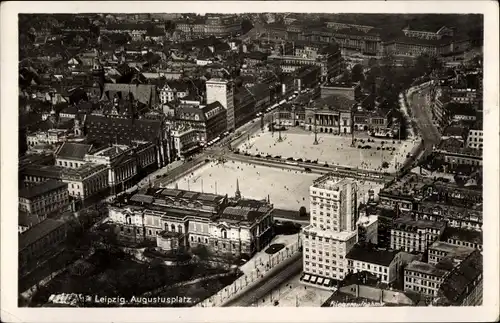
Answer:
[(332, 149), (287, 189)]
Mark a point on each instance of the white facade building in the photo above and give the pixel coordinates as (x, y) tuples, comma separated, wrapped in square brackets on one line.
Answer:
[(332, 232), (222, 90), (475, 139)]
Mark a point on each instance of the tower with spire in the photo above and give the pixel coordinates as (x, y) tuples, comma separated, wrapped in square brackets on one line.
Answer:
[(237, 194)]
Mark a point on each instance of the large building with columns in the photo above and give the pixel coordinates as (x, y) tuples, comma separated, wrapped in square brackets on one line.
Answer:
[(332, 114), (227, 226)]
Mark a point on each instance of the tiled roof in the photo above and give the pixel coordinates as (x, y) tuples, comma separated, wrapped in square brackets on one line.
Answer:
[(45, 187), (73, 150), (406, 223), (38, 231)]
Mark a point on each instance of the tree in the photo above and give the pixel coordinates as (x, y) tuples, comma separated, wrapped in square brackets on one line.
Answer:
[(202, 252), (302, 211), (385, 165)]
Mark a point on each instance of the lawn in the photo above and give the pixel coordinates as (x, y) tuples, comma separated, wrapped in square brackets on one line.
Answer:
[(331, 149)]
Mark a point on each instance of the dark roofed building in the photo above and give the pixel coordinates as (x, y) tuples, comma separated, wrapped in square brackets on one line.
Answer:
[(39, 241), (144, 93), (72, 151), (463, 286), (463, 237)]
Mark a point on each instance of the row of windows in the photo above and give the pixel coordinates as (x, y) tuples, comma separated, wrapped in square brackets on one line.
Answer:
[(420, 289), (423, 282)]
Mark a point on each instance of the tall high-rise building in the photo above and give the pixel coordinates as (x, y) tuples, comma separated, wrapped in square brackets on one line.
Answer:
[(222, 90), (332, 231)]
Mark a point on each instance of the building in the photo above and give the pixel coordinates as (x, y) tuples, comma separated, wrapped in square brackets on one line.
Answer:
[(475, 139), (463, 237), (226, 226), (332, 114), (403, 193), (453, 152), (368, 228), (173, 90), (327, 56), (463, 286), (38, 242), (210, 25), (86, 181), (332, 232), (105, 129), (384, 264), (455, 216), (344, 89), (26, 221), (125, 163), (423, 278), (186, 141), (44, 199), (72, 154), (440, 250), (289, 115), (222, 91), (415, 235), (208, 121)]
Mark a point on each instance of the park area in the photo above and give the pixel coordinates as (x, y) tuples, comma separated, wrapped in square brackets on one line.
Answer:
[(331, 149), (115, 273), (287, 189)]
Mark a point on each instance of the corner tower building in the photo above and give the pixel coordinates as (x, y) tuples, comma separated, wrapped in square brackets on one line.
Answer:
[(332, 231), (222, 90)]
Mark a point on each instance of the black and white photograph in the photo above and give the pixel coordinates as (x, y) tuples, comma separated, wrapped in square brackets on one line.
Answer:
[(226, 156)]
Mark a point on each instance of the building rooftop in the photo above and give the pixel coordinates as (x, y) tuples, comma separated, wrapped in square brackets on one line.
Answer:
[(455, 285), (43, 188), (409, 185), (425, 268), (341, 236), (455, 146), (82, 172), (73, 150), (462, 235), (407, 223), (451, 211), (27, 219), (448, 247), (335, 102), (331, 182), (372, 255), (38, 231), (248, 211)]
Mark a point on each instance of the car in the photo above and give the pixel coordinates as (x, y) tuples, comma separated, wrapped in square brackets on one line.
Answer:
[(307, 169), (300, 160), (277, 156), (308, 161), (289, 158)]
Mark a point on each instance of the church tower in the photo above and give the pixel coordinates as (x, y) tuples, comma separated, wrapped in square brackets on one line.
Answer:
[(237, 194), (98, 71)]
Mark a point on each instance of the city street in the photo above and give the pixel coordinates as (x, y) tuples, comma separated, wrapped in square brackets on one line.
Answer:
[(269, 283), (420, 105)]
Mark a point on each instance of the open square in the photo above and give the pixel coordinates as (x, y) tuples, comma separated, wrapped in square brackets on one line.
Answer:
[(331, 149), (287, 189)]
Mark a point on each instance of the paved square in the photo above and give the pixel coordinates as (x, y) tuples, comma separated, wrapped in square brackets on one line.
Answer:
[(287, 189), (332, 149)]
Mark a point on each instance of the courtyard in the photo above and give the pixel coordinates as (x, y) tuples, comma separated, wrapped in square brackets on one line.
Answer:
[(332, 149), (287, 189)]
